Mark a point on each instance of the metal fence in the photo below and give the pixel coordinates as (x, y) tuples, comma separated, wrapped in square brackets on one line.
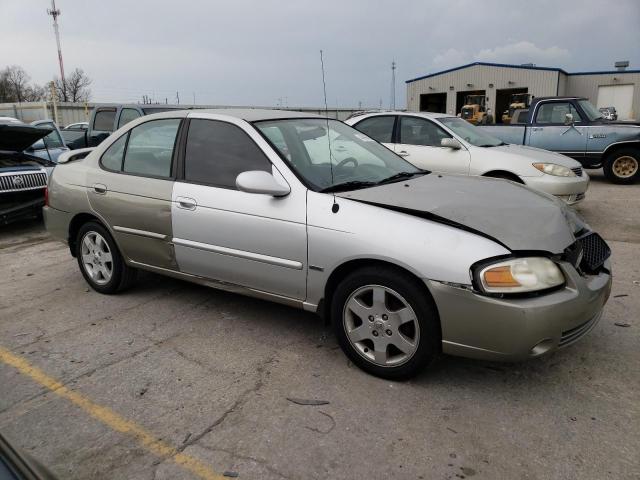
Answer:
[(68, 112)]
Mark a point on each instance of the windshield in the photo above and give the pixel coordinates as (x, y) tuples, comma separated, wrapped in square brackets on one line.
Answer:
[(470, 133), (355, 158), (52, 140), (591, 111)]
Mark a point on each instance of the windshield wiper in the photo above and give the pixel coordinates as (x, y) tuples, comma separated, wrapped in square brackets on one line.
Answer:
[(401, 176), (351, 185)]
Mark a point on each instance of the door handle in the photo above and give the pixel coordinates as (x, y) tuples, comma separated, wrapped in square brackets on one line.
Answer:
[(403, 153), (186, 203), (99, 188)]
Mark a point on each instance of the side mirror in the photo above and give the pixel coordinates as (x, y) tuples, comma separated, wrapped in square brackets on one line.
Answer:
[(568, 119), (451, 143), (257, 181)]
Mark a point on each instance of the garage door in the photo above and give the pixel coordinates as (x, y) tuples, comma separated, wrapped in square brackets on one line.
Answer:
[(619, 96)]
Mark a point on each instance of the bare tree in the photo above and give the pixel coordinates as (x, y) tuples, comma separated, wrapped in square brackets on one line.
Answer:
[(17, 83), (77, 87)]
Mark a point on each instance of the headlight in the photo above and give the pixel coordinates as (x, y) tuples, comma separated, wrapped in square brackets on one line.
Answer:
[(553, 169), (518, 275)]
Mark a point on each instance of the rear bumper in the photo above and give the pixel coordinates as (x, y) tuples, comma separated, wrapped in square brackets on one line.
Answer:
[(57, 223), (570, 189), (490, 328)]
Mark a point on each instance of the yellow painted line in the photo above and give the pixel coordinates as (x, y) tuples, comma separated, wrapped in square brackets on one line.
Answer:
[(110, 418)]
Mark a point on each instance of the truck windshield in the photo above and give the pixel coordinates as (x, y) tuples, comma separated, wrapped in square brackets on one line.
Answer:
[(470, 133), (334, 158), (591, 111)]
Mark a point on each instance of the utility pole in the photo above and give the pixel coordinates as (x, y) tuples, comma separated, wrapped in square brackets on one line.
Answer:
[(392, 104), (178, 98), (194, 98), (55, 13), (53, 102)]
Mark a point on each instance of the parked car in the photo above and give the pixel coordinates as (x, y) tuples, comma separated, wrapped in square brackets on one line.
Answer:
[(609, 113), (77, 126), (448, 144), (23, 176), (16, 464), (404, 263), (52, 145), (574, 127), (106, 119)]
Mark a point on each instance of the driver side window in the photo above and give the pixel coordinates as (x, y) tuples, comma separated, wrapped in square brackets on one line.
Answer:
[(555, 112), (419, 131)]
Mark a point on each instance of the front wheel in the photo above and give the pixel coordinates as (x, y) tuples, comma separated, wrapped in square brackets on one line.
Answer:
[(386, 322), (623, 166), (100, 260)]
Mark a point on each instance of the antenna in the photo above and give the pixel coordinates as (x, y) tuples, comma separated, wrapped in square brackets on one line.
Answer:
[(335, 207), (392, 104), (55, 13)]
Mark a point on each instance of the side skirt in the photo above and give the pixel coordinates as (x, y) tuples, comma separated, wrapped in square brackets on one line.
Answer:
[(227, 287)]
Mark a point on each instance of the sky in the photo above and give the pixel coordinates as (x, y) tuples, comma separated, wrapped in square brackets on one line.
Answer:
[(267, 53)]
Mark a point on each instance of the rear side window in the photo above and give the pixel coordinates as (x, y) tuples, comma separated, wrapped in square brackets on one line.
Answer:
[(378, 128), (112, 157), (127, 115), (217, 152), (150, 148), (103, 120)]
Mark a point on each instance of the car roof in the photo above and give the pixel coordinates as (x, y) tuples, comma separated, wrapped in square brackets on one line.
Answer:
[(253, 114), (431, 115)]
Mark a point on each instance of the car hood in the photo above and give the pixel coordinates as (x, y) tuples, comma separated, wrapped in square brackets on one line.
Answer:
[(509, 213), (16, 137), (534, 155)]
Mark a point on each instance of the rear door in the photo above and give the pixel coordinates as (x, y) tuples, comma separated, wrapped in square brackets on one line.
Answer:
[(380, 128), (252, 240), (549, 131), (132, 189), (419, 143)]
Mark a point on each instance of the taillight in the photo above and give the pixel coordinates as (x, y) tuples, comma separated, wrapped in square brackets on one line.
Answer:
[(46, 196)]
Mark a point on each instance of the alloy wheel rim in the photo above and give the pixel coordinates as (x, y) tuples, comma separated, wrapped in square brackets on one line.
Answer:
[(96, 258), (625, 166), (381, 325)]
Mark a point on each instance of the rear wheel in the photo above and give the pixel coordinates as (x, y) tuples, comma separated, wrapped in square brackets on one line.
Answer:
[(623, 166), (100, 260), (385, 322)]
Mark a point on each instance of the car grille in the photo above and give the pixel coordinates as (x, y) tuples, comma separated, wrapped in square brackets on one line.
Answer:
[(594, 252), (577, 171), (570, 336), (22, 181)]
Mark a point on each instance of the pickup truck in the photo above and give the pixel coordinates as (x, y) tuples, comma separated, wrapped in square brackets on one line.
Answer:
[(574, 127), (106, 119)]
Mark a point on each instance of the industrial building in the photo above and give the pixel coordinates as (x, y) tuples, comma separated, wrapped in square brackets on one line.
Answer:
[(445, 91)]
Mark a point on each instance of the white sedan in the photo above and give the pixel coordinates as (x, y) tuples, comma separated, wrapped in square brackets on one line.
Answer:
[(448, 144)]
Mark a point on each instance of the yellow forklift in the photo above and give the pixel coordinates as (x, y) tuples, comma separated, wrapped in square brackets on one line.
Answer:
[(475, 110), (518, 101)]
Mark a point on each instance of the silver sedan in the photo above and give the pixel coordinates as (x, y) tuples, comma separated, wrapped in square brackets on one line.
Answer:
[(309, 212)]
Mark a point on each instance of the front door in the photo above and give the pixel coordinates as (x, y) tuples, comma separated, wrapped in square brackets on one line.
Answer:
[(132, 189), (550, 132), (419, 143), (252, 240)]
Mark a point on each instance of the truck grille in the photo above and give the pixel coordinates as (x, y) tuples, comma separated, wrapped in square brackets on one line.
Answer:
[(594, 252), (577, 171), (18, 182)]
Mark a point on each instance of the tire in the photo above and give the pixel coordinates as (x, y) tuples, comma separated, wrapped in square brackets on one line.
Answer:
[(100, 261), (623, 166), (407, 342)]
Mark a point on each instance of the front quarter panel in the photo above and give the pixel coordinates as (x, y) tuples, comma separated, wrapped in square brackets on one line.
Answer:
[(428, 249)]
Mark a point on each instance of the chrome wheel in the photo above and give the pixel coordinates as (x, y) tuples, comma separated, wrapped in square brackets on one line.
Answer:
[(96, 258), (625, 166), (381, 325)]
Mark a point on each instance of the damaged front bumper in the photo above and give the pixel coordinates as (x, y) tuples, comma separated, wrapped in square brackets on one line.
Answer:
[(513, 329)]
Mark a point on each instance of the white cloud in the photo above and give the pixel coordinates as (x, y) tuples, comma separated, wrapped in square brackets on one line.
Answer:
[(450, 58), (524, 52)]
